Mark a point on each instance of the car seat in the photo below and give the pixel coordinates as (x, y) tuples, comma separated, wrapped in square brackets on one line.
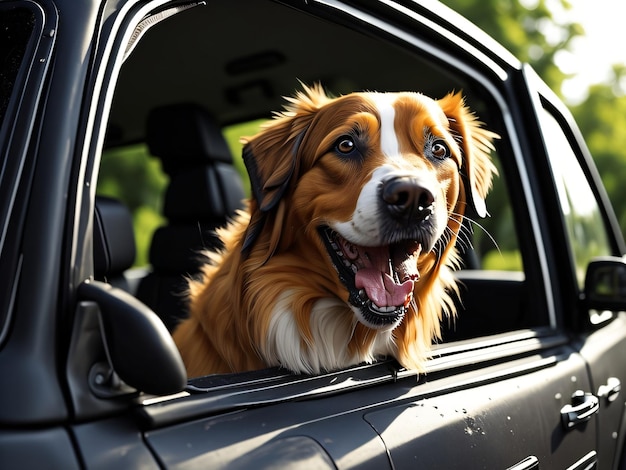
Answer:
[(204, 191), (113, 243)]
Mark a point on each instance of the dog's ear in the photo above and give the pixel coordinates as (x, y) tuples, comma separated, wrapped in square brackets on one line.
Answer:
[(270, 176), (476, 144), (268, 182), (272, 156)]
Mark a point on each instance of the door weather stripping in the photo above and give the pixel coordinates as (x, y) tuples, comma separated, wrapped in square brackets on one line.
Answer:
[(150, 20)]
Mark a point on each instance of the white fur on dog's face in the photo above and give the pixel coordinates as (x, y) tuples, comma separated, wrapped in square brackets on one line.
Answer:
[(369, 224), (364, 227)]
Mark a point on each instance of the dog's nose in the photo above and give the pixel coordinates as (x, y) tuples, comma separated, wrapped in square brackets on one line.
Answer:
[(407, 200)]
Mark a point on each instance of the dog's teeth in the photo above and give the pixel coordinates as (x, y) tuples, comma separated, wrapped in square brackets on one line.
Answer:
[(362, 294), (347, 263), (334, 246), (388, 309), (354, 268)]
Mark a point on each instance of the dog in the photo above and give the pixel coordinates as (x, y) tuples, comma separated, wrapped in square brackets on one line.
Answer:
[(346, 251)]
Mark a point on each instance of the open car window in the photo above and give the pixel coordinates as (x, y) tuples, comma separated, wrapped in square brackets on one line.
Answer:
[(238, 77)]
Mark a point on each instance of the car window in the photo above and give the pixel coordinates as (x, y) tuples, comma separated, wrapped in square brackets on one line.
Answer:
[(494, 239), (18, 25), (239, 79), (585, 225)]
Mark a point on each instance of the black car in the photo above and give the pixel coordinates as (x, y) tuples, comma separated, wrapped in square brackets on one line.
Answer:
[(528, 376)]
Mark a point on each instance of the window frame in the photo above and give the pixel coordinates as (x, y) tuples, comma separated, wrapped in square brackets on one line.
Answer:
[(17, 158), (567, 293), (492, 79)]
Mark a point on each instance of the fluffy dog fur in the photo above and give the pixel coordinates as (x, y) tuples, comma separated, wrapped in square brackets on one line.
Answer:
[(375, 183)]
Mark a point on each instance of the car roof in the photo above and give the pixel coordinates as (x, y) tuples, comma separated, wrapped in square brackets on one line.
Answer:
[(240, 58)]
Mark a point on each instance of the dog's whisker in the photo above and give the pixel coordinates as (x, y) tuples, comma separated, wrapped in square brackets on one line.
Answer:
[(464, 238), (485, 231)]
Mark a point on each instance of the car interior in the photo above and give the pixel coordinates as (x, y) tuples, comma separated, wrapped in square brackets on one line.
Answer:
[(201, 72)]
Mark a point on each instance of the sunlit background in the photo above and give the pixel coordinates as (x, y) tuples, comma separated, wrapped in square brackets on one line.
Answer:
[(593, 54), (578, 48)]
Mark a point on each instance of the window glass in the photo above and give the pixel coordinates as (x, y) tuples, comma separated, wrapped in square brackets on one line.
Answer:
[(585, 226), (16, 28)]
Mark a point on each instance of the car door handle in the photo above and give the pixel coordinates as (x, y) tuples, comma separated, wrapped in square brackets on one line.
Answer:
[(611, 390), (529, 463), (583, 407)]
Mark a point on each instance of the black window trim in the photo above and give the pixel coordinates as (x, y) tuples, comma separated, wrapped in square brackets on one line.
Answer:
[(15, 134)]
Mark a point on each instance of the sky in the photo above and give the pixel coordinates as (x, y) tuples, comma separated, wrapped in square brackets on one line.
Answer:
[(603, 45)]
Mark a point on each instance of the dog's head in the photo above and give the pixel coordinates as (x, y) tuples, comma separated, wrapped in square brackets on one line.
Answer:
[(377, 181)]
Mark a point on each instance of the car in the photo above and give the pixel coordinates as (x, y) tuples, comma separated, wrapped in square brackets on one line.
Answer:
[(102, 94)]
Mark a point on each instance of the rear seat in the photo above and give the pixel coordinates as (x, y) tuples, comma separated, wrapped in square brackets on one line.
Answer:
[(204, 191), (113, 243)]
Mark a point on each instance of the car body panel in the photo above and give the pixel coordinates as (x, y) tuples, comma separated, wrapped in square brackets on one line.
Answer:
[(492, 398), (488, 418)]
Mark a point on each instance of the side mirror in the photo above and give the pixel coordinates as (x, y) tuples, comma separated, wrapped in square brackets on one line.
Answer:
[(137, 343), (605, 284)]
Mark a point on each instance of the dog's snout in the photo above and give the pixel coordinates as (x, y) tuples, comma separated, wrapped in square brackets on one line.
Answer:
[(407, 200)]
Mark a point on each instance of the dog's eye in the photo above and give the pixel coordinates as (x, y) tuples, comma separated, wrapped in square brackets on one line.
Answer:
[(440, 150), (345, 145)]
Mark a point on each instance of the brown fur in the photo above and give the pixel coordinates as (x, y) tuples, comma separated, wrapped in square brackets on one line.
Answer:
[(302, 185)]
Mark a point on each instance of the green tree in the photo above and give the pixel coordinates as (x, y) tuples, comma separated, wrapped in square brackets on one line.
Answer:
[(602, 120), (530, 30), (533, 32)]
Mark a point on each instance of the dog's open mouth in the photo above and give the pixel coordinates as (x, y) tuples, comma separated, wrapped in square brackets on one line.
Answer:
[(379, 279)]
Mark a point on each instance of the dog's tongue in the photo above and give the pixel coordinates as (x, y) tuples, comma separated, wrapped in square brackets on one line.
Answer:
[(376, 274)]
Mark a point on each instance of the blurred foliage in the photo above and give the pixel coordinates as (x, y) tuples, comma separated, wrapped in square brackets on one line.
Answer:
[(530, 30), (602, 120), (131, 175), (503, 261), (534, 31)]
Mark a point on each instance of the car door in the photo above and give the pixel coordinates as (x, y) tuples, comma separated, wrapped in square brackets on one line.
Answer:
[(590, 231)]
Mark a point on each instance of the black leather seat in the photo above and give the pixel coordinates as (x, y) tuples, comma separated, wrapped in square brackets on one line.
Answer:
[(113, 243), (204, 191)]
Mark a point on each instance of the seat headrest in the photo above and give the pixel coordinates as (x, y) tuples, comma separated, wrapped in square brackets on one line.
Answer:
[(114, 239), (184, 135), (210, 195)]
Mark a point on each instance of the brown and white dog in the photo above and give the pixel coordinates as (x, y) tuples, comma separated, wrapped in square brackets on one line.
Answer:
[(347, 249)]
